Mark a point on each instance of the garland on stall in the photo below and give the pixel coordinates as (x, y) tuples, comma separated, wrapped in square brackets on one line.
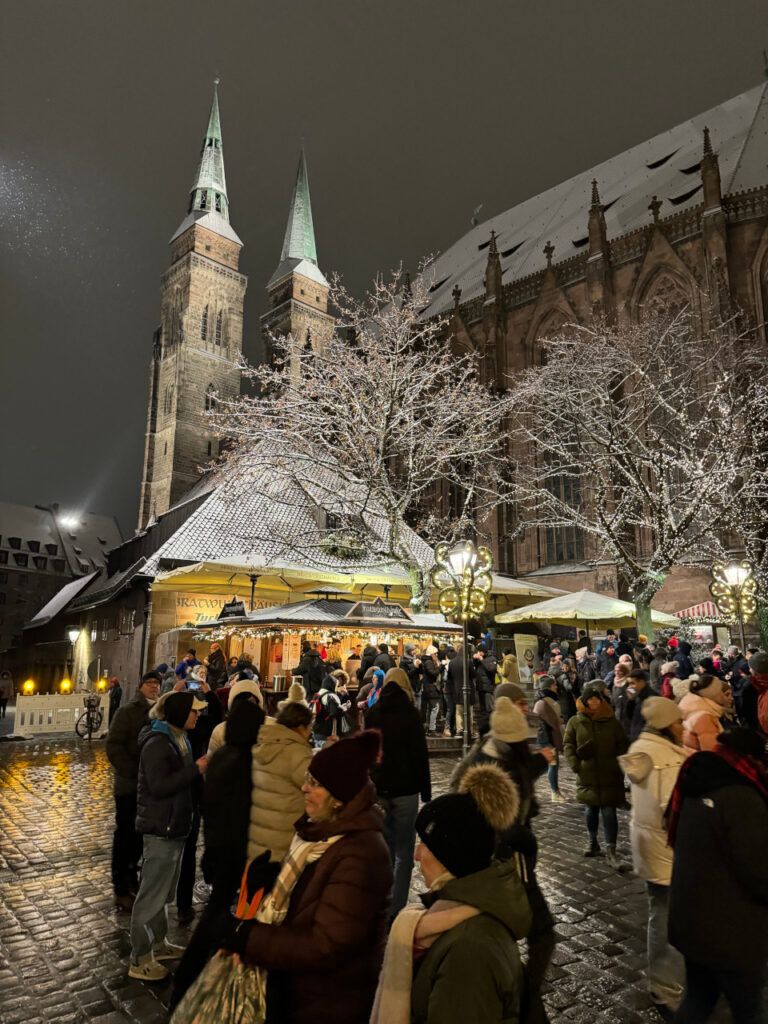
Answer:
[(219, 633)]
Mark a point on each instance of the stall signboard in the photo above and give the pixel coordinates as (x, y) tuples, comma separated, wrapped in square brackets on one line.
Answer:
[(527, 651), (378, 611), (198, 608), (234, 609)]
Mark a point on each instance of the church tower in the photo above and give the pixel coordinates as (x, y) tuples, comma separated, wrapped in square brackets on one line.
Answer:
[(197, 347), (298, 291)]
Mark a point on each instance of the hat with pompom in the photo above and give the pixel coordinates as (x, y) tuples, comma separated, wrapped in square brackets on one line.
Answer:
[(296, 695), (343, 768), (459, 829), (508, 723)]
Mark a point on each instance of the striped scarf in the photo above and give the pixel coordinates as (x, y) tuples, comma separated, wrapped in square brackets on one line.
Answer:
[(300, 854)]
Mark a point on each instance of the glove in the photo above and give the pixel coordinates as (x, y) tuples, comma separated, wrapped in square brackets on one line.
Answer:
[(586, 750), (261, 874), (230, 933)]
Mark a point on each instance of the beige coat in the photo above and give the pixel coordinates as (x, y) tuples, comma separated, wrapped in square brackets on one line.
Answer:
[(701, 722), (279, 762), (509, 670), (652, 765)]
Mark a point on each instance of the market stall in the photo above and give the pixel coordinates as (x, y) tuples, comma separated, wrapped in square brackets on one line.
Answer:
[(272, 637)]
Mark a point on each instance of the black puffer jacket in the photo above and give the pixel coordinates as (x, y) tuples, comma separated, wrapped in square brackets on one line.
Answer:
[(167, 781), (384, 659), (404, 766), (683, 658), (431, 681), (485, 673), (719, 886), (123, 743), (454, 685), (413, 673)]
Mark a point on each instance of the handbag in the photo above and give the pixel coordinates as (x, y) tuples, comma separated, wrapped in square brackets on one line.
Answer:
[(227, 991)]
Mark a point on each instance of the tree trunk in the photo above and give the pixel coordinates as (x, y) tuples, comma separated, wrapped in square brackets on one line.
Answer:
[(762, 624), (644, 620), (418, 595)]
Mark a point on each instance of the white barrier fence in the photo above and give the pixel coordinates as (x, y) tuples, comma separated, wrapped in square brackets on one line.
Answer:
[(45, 713)]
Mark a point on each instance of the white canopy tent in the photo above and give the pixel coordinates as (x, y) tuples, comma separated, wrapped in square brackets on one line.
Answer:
[(584, 608)]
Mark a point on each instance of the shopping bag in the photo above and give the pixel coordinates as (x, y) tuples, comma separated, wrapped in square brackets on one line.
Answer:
[(227, 992)]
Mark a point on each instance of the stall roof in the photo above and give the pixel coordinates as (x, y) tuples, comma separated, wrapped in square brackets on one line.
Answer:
[(333, 613)]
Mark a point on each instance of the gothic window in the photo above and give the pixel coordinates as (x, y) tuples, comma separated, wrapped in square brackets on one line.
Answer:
[(210, 398), (219, 319), (549, 327), (218, 202), (204, 325), (564, 543), (665, 294), (204, 199), (169, 399)]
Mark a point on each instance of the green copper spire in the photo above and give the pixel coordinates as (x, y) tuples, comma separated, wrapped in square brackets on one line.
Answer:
[(299, 253), (209, 191)]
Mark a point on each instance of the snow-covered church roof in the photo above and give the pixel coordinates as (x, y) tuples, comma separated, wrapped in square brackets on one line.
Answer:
[(666, 166)]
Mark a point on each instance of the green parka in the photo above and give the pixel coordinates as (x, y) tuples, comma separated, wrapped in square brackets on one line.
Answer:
[(592, 743), (473, 972)]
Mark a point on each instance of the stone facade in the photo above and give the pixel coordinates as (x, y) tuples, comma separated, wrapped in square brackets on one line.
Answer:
[(297, 306), (195, 363)]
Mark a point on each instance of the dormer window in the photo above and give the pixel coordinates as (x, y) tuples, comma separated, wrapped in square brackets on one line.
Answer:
[(218, 203), (204, 199)]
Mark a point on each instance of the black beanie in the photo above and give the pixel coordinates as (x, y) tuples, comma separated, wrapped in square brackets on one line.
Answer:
[(460, 828), (177, 707), (343, 768)]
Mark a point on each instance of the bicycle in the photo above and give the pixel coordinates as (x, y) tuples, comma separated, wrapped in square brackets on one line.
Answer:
[(91, 719)]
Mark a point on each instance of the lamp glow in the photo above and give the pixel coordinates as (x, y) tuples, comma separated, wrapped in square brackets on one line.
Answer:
[(66, 685), (29, 686), (73, 635)]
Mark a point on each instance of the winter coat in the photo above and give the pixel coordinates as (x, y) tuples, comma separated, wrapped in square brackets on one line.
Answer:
[(369, 656), (473, 972), (404, 765), (431, 683), (123, 743), (328, 721), (279, 762), (659, 659), (384, 661), (509, 670), (454, 684), (586, 671), (115, 696), (666, 686), (605, 662), (485, 673), (701, 722), (312, 671), (550, 731), (718, 906), (652, 765), (628, 709), (413, 673), (226, 803), (167, 786), (683, 658), (324, 959), (592, 743), (217, 670)]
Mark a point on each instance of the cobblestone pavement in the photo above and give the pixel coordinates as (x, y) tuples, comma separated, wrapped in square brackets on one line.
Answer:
[(64, 948)]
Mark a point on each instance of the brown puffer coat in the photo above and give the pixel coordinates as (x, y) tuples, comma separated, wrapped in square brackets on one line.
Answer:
[(324, 959)]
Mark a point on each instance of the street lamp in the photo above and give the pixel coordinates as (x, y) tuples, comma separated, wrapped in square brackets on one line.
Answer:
[(462, 573), (72, 633), (733, 586)]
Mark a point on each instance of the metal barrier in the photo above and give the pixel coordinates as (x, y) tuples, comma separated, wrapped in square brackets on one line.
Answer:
[(46, 713)]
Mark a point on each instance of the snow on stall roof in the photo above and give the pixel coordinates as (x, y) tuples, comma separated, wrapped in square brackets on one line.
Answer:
[(60, 600), (666, 166)]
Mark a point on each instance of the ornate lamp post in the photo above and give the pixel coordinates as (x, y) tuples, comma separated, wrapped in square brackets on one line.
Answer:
[(462, 574), (733, 586)]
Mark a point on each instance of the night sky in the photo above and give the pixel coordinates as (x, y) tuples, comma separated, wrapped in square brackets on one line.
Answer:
[(412, 113)]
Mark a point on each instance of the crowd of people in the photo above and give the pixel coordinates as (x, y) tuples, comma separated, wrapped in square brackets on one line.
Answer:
[(317, 812)]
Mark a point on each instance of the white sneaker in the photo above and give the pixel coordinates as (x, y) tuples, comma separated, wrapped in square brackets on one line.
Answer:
[(148, 969), (558, 798), (166, 950)]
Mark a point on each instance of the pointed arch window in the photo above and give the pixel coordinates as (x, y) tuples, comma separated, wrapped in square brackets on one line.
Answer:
[(219, 324), (665, 294), (218, 202), (210, 398), (204, 199), (204, 325), (169, 399)]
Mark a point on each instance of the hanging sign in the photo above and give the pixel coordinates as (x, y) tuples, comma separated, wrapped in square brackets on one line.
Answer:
[(234, 609), (378, 611)]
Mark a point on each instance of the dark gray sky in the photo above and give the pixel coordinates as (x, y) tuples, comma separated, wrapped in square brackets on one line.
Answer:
[(412, 112)]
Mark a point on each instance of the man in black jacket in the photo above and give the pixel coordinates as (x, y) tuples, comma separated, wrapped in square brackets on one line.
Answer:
[(384, 659), (718, 900), (123, 754), (454, 691), (165, 813), (485, 682), (310, 668), (410, 663), (607, 660)]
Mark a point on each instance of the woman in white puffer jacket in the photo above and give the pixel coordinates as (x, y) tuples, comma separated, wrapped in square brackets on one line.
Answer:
[(652, 765)]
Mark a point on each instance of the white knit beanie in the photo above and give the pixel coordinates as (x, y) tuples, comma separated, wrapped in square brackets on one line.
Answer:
[(245, 686), (296, 695), (508, 723), (669, 666)]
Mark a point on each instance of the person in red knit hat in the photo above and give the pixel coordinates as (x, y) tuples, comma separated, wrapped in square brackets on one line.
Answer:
[(320, 933)]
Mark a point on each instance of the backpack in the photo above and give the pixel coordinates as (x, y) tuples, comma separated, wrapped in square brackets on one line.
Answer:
[(319, 708)]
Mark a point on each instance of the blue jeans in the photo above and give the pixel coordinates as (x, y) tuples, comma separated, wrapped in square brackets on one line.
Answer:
[(400, 836), (610, 823), (433, 707), (553, 774), (159, 877), (666, 967)]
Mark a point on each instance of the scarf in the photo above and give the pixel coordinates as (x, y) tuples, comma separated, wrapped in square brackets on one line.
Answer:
[(742, 763), (604, 711), (301, 853), (375, 693), (178, 737), (413, 931)]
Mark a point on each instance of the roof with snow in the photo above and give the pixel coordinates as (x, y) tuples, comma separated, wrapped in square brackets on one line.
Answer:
[(666, 166)]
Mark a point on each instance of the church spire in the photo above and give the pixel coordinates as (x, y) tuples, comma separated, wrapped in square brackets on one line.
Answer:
[(209, 190), (299, 253)]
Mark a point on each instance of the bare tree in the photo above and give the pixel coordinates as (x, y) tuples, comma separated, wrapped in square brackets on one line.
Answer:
[(365, 430), (640, 436)]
